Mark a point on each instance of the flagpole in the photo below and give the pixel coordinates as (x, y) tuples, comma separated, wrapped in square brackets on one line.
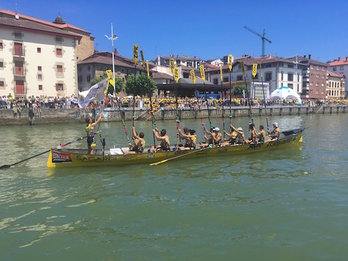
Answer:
[(112, 38)]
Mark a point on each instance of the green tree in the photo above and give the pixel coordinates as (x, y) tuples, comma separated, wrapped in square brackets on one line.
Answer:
[(238, 90), (140, 85), (97, 79), (119, 82)]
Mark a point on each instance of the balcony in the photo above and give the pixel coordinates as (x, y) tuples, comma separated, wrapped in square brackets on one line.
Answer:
[(19, 71), (18, 52)]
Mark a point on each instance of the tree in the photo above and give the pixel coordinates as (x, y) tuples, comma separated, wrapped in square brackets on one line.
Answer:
[(97, 79), (238, 90), (140, 85)]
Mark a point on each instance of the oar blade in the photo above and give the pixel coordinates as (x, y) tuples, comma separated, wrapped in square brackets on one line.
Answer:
[(159, 162), (5, 166)]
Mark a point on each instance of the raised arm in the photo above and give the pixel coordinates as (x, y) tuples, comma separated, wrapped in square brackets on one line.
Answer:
[(98, 120)]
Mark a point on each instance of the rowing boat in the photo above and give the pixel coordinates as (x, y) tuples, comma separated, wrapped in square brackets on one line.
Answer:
[(60, 158)]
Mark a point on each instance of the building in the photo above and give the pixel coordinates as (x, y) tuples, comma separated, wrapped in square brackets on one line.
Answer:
[(314, 77), (191, 62), (340, 65), (37, 57), (276, 72), (96, 65), (335, 88)]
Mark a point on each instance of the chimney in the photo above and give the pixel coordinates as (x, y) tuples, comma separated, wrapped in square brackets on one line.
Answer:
[(346, 59), (309, 56), (115, 52)]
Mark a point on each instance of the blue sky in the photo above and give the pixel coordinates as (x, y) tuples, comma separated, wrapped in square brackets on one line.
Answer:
[(206, 28)]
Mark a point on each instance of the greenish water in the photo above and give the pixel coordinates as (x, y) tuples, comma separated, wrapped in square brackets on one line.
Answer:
[(283, 205)]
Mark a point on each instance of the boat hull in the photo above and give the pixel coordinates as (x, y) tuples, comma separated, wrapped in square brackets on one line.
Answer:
[(64, 158)]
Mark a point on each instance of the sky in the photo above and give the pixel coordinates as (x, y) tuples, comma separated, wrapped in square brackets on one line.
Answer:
[(206, 29)]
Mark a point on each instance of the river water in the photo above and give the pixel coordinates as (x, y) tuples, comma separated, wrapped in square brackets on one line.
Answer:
[(281, 205)]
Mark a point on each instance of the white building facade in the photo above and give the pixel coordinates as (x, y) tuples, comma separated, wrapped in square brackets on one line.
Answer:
[(36, 59)]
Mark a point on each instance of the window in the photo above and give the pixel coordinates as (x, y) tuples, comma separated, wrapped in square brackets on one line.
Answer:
[(322, 85), (59, 69), (18, 35), (316, 84), (88, 78), (59, 87), (39, 76), (239, 77), (1, 64), (290, 85), (40, 87), (318, 67), (290, 65), (268, 76), (80, 78), (317, 75), (216, 81), (39, 68), (2, 83), (59, 40), (281, 76), (18, 49), (59, 52), (178, 62), (89, 68), (290, 77), (334, 69), (225, 79), (38, 50), (1, 45), (311, 66), (341, 68)]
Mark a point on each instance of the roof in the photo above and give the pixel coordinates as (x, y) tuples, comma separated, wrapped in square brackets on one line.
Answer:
[(334, 74), (210, 66), (339, 61), (306, 60), (159, 75), (106, 58), (25, 17), (183, 57)]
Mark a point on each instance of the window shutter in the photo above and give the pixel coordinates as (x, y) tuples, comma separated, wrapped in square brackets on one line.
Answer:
[(56, 86)]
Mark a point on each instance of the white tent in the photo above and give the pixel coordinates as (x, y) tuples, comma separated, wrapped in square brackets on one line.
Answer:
[(285, 93)]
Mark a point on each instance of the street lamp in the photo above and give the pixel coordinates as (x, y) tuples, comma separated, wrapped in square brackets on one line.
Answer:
[(112, 38)]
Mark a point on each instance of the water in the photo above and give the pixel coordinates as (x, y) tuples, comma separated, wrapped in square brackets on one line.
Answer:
[(283, 205)]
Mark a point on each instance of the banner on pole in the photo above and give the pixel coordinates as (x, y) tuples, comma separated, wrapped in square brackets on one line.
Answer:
[(172, 65), (147, 69), (201, 68), (254, 69), (193, 76), (230, 61), (142, 57), (243, 69), (135, 53), (176, 74), (221, 73)]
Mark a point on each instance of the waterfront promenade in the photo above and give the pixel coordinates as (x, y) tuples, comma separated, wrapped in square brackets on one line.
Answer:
[(76, 115)]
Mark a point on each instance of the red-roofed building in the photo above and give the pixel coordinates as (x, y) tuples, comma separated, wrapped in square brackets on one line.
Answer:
[(97, 64), (340, 65), (37, 57)]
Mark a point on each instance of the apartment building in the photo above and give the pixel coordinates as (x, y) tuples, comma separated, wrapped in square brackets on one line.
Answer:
[(37, 57), (185, 61), (335, 88), (340, 65), (276, 72)]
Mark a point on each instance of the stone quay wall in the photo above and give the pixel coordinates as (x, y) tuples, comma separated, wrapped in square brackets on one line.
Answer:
[(56, 116)]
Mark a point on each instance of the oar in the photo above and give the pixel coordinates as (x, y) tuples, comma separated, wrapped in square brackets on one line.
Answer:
[(177, 157), (39, 154)]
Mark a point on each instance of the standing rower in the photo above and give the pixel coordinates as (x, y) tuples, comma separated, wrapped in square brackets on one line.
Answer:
[(90, 132)]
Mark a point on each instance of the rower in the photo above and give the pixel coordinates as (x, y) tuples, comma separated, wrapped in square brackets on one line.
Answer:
[(163, 138), (275, 133), (90, 133), (261, 135), (215, 138), (189, 137), (138, 143), (236, 136), (253, 135)]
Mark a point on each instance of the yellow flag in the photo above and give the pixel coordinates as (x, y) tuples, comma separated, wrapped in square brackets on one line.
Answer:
[(201, 68), (172, 66), (243, 69), (230, 61), (135, 53), (254, 69), (221, 73), (147, 69), (142, 57), (176, 74), (110, 82), (193, 76)]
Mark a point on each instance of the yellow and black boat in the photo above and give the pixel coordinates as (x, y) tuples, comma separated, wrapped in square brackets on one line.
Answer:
[(61, 158)]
